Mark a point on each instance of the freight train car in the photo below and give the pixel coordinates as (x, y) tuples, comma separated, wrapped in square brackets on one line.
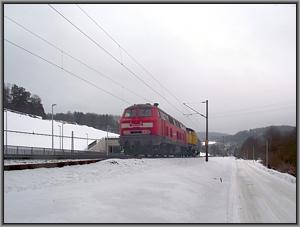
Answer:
[(146, 130)]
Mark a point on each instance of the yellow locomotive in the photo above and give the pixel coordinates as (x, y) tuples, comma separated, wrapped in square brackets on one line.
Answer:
[(193, 141)]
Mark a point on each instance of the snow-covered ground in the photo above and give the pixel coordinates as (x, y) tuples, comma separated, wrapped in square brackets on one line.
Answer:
[(26, 123), (181, 190)]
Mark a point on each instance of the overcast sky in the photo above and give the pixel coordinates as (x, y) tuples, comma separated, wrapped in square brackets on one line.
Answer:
[(242, 58)]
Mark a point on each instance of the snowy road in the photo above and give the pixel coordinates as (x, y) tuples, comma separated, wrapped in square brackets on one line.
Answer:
[(223, 190), (263, 197)]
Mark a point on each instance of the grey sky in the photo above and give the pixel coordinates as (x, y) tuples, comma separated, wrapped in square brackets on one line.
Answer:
[(242, 58)]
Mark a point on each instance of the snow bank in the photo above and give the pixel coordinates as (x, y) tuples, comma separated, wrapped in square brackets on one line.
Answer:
[(170, 190), (283, 176), (26, 123), (133, 190)]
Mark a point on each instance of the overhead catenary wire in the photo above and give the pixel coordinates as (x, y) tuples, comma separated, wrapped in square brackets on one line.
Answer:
[(128, 54), (134, 59), (67, 71), (137, 62), (114, 58), (76, 59), (63, 52)]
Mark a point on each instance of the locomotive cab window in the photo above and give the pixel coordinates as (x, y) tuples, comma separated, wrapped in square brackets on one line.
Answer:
[(130, 113), (145, 112)]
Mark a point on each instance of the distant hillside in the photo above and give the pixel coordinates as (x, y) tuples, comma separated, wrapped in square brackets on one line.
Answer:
[(99, 121), (242, 136), (212, 136), (282, 148)]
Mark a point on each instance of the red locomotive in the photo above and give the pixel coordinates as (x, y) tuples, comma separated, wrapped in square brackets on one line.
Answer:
[(145, 129)]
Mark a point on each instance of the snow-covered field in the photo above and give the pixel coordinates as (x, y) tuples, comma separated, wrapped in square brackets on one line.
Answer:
[(181, 190), (26, 123)]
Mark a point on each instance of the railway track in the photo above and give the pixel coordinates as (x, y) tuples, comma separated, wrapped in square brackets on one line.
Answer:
[(49, 164), (73, 162)]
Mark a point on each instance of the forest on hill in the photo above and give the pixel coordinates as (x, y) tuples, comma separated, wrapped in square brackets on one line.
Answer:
[(280, 145), (280, 142), (19, 99)]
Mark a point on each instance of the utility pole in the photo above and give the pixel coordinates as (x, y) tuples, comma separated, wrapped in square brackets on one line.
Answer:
[(253, 152), (206, 142), (106, 140), (196, 112), (267, 151), (87, 140), (224, 147), (52, 126), (6, 130), (72, 142), (59, 136), (62, 136)]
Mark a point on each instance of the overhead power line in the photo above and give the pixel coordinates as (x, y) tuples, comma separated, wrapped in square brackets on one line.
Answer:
[(76, 59), (134, 59), (114, 58), (131, 57), (72, 57), (128, 54), (67, 71)]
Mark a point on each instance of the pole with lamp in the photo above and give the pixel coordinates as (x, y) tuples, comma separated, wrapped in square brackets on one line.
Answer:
[(62, 136), (6, 130), (52, 125), (87, 141), (59, 136), (196, 112), (106, 140)]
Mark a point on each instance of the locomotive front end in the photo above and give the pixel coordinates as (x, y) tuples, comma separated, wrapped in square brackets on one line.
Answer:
[(138, 129)]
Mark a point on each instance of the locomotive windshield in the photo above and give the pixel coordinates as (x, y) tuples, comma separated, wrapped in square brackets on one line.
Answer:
[(140, 112)]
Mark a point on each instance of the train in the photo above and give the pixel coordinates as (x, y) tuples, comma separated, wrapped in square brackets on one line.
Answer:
[(147, 130)]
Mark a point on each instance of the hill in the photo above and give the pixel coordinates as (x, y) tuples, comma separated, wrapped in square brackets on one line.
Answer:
[(242, 136), (33, 131), (276, 147), (212, 136)]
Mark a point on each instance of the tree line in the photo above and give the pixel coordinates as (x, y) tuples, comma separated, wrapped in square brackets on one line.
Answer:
[(99, 121), (19, 99), (282, 149)]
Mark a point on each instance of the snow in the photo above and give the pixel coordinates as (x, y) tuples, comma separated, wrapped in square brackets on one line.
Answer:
[(209, 143), (262, 190), (26, 123), (170, 190)]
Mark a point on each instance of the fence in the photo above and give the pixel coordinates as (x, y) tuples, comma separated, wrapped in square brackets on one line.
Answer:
[(23, 152), (63, 136)]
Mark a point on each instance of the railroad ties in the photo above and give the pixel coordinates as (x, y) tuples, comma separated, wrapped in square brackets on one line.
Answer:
[(49, 164), (78, 162)]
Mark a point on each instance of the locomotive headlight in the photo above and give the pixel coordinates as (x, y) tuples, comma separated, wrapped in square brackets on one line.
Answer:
[(126, 132), (147, 124), (125, 125)]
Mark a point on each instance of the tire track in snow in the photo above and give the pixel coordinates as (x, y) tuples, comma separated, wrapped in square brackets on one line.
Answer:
[(264, 199), (232, 202)]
